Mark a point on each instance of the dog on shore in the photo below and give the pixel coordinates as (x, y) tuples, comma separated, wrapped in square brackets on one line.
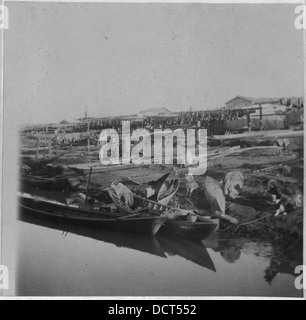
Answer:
[(285, 202), (233, 184)]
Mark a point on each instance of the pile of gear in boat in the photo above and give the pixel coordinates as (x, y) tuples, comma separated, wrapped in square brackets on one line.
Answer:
[(149, 208), (214, 193)]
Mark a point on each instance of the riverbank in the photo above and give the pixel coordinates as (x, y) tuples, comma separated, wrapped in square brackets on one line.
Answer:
[(253, 209)]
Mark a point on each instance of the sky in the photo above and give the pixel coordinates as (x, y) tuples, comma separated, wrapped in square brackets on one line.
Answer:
[(118, 59)]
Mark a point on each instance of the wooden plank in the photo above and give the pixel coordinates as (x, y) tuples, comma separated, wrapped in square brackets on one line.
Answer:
[(274, 134), (99, 168)]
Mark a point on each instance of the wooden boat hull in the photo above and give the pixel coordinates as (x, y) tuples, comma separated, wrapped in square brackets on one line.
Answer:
[(99, 168), (191, 230), (198, 230), (85, 217)]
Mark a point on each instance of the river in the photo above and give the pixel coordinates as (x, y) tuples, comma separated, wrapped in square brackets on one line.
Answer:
[(60, 260)]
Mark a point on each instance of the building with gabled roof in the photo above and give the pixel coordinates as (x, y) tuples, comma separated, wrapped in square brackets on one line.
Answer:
[(240, 102), (154, 112)]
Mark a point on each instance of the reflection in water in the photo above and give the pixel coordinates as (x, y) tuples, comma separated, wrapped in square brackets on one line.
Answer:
[(283, 258), (231, 254), (284, 261), (194, 251), (229, 250), (60, 259), (161, 245)]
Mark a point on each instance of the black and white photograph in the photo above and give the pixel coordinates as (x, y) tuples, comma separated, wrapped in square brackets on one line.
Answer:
[(152, 149)]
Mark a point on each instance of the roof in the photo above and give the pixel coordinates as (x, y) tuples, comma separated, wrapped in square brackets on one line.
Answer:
[(255, 100), (154, 112), (168, 115), (163, 110)]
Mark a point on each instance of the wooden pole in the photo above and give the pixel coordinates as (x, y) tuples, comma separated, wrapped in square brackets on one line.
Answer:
[(38, 148), (87, 187), (261, 122), (88, 142), (249, 121), (50, 147)]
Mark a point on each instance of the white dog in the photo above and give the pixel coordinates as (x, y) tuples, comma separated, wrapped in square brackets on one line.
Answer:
[(232, 184), (123, 191), (191, 184)]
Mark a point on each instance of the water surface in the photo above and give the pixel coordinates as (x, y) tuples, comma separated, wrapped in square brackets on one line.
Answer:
[(61, 260)]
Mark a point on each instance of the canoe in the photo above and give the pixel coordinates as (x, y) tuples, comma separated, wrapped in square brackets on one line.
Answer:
[(139, 242), (97, 167), (44, 182), (198, 229), (164, 199), (90, 217)]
